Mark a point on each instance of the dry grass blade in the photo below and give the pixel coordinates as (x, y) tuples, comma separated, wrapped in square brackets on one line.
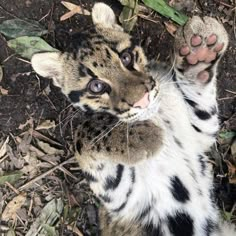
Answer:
[(1, 73), (75, 230), (171, 28), (3, 148), (74, 9), (28, 184), (48, 218)]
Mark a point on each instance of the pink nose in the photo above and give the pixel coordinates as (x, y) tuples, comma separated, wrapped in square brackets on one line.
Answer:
[(143, 102)]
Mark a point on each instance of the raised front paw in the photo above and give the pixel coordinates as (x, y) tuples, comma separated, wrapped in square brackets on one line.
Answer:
[(198, 46)]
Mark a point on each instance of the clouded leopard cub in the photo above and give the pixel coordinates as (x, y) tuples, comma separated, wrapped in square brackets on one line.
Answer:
[(143, 148)]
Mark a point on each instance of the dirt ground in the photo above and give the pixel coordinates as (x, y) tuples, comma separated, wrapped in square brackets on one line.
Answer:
[(37, 122)]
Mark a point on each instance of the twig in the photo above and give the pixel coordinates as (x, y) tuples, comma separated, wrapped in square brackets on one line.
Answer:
[(20, 59), (229, 91), (45, 16), (234, 20), (226, 98), (148, 19), (70, 160), (223, 3), (12, 188)]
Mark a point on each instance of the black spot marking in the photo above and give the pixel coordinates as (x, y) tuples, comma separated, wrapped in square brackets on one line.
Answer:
[(79, 146), (74, 96), (100, 167), (111, 182), (202, 115), (82, 70), (108, 149), (89, 177), (104, 108), (190, 102), (92, 97), (178, 190), (153, 230), (120, 111), (209, 227), (87, 108), (105, 198), (181, 224), (108, 54), (178, 142), (202, 164), (132, 174), (98, 147), (95, 64), (196, 128), (137, 56), (122, 206), (91, 73)]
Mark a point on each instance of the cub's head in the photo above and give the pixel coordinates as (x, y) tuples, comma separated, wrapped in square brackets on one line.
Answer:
[(102, 70)]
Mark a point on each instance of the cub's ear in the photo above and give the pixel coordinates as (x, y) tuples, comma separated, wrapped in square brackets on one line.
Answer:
[(102, 14), (47, 64)]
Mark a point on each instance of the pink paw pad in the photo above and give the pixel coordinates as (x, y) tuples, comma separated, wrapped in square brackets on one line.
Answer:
[(211, 40), (203, 76), (196, 40), (198, 53)]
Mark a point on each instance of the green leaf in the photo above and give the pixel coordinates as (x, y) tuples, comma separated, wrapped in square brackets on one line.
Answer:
[(128, 16), (227, 134), (11, 232), (16, 28), (27, 46), (49, 230), (48, 218), (10, 177), (164, 9), (129, 3)]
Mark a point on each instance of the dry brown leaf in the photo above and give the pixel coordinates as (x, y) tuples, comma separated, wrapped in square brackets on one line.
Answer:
[(24, 144), (231, 172), (44, 138), (74, 9), (3, 148), (47, 124), (1, 73), (28, 122), (233, 149), (74, 229), (49, 149), (3, 91), (10, 211), (171, 28), (31, 169)]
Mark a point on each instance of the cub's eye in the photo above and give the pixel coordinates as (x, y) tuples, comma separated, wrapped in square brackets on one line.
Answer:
[(126, 58), (97, 86)]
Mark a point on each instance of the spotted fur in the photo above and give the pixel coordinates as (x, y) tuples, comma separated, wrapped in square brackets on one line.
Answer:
[(142, 150)]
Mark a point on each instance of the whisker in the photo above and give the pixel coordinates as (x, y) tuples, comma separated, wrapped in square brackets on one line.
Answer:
[(116, 125), (127, 136)]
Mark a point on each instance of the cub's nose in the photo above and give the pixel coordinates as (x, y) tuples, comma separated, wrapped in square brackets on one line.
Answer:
[(143, 102)]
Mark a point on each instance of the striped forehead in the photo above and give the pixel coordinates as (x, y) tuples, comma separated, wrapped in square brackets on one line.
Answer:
[(89, 41)]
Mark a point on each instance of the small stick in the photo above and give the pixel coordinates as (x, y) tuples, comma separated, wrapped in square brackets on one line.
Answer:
[(12, 188), (72, 159)]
